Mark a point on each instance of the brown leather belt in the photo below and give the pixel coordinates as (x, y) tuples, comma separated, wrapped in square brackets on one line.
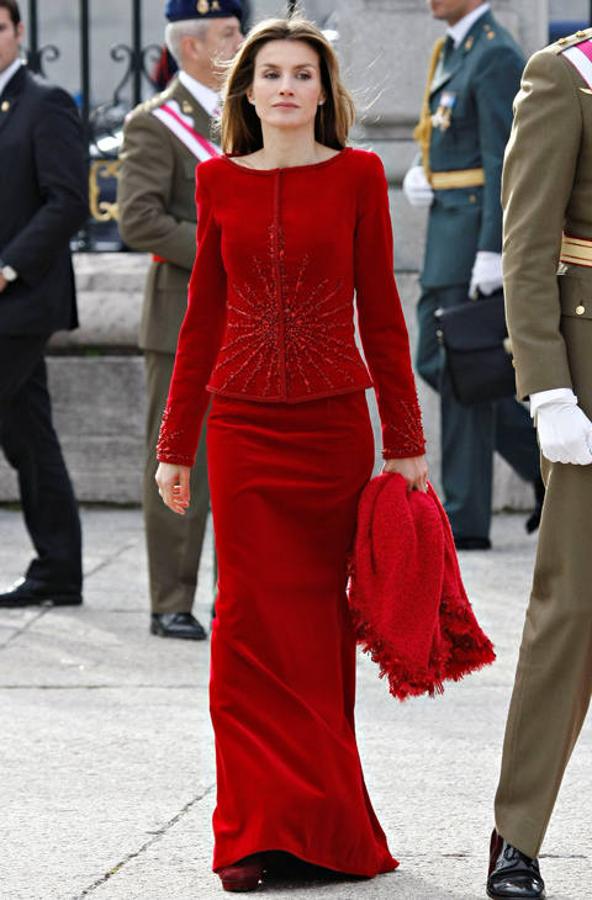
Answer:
[(576, 251)]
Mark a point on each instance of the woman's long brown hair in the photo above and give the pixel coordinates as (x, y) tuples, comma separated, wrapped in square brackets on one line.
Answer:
[(240, 125)]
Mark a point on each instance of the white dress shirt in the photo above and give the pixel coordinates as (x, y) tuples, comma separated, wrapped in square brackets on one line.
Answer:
[(459, 31), (204, 95), (7, 74)]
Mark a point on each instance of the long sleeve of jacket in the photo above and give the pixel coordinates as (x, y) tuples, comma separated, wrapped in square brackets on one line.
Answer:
[(61, 173), (496, 84), (199, 342), (144, 190), (382, 326), (539, 175)]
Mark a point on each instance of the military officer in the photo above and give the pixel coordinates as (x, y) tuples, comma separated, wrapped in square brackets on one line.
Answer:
[(164, 139), (465, 123), (547, 199)]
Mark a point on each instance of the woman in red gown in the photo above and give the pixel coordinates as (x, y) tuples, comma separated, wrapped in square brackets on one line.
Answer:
[(292, 223)]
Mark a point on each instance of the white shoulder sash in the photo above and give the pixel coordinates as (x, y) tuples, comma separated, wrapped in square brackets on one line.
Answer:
[(580, 57), (182, 127)]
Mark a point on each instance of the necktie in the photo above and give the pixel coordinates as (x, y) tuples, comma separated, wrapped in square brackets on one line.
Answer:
[(447, 50)]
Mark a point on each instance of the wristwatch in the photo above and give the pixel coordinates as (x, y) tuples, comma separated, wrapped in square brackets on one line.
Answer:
[(7, 272)]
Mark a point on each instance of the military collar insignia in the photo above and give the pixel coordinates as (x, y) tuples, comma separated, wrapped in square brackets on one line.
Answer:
[(187, 108), (469, 43), (5, 106)]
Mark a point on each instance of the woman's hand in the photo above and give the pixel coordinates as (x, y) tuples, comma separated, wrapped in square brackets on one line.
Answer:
[(173, 486), (414, 470)]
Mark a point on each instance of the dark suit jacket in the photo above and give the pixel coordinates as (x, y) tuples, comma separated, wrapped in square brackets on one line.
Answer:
[(43, 202)]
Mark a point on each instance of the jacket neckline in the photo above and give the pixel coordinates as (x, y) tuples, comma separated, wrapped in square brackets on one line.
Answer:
[(326, 162)]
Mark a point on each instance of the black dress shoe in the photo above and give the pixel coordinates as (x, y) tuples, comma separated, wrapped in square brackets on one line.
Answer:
[(27, 592), (534, 520), (512, 874), (472, 543), (177, 625)]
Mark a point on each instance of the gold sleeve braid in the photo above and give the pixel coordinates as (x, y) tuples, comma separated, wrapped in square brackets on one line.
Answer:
[(423, 130)]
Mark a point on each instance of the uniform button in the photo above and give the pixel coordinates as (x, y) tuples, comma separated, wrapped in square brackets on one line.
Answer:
[(580, 310), (472, 198)]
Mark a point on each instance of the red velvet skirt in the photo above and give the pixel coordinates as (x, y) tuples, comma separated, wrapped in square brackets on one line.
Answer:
[(285, 482)]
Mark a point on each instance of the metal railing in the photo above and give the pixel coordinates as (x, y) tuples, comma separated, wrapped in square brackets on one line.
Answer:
[(103, 124)]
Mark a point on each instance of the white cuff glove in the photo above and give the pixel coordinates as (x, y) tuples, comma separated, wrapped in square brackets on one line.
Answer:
[(487, 274), (417, 188), (564, 430)]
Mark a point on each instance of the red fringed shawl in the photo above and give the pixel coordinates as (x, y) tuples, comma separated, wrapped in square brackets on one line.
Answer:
[(408, 602)]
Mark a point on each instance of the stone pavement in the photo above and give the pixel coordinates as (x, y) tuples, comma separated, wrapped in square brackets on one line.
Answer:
[(106, 757)]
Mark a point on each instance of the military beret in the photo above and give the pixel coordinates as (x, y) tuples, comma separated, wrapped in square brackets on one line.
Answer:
[(178, 10)]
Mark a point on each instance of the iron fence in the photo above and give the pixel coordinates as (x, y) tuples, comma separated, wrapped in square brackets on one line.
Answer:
[(134, 69)]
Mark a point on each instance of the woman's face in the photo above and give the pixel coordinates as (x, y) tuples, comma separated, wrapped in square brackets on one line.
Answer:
[(287, 89)]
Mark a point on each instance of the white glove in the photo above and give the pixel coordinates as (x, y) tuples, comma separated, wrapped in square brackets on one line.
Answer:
[(487, 274), (564, 430), (417, 188)]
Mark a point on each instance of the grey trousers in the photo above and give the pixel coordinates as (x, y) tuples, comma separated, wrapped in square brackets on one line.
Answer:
[(174, 543)]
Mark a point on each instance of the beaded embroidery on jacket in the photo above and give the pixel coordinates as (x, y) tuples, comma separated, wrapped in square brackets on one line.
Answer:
[(283, 304)]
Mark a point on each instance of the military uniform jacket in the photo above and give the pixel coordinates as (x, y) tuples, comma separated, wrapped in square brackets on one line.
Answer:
[(547, 190), (156, 201), (44, 201), (471, 96)]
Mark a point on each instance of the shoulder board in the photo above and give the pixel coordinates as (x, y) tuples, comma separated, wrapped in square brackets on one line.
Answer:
[(148, 106), (579, 55), (572, 40)]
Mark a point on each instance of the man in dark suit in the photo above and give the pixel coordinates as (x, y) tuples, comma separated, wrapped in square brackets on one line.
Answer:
[(43, 197)]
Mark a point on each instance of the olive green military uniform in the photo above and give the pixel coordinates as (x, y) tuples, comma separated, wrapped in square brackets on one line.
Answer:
[(465, 125), (547, 191), (156, 198)]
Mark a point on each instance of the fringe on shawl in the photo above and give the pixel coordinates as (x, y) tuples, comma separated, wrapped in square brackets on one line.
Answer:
[(461, 649)]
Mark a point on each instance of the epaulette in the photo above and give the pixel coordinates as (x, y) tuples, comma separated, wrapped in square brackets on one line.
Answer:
[(572, 40), (155, 101)]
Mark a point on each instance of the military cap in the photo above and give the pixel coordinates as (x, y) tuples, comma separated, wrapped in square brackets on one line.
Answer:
[(179, 10)]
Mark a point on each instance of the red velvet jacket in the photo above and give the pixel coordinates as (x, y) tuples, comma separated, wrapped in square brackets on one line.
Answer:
[(270, 312)]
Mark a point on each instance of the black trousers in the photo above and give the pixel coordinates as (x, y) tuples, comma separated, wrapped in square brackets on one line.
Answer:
[(32, 448)]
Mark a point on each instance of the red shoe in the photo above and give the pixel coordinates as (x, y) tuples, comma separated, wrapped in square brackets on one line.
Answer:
[(243, 876)]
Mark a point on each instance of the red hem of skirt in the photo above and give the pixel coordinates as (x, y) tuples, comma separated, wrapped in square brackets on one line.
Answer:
[(310, 860)]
